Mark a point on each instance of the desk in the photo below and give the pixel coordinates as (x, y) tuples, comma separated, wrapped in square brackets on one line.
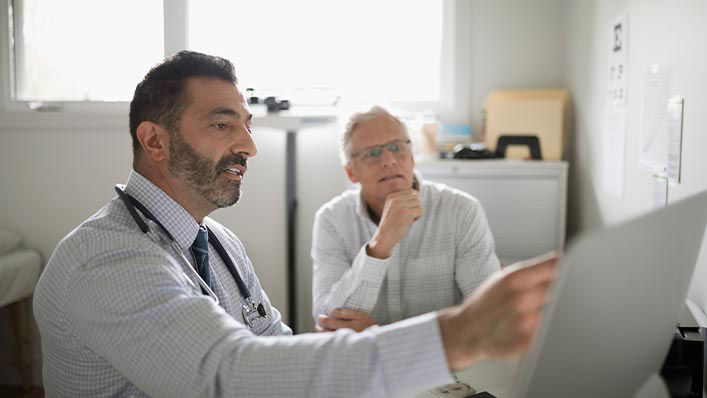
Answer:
[(493, 376), (496, 378)]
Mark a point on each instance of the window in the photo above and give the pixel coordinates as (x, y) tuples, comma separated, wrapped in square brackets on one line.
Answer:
[(88, 51), (83, 50), (363, 49)]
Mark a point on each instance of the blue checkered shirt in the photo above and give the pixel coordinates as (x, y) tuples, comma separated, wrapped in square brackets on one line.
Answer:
[(118, 318)]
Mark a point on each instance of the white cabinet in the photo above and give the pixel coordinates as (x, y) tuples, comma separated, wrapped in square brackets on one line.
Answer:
[(525, 201)]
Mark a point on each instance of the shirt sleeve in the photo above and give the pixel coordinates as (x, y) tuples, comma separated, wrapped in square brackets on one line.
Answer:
[(476, 257), (138, 314), (339, 282)]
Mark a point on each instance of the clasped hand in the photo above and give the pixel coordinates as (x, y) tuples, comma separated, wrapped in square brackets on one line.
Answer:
[(343, 318)]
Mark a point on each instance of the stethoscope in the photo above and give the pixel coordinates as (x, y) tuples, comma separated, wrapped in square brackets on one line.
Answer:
[(250, 311)]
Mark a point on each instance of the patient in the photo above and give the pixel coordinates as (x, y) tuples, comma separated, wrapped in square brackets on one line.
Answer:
[(399, 246)]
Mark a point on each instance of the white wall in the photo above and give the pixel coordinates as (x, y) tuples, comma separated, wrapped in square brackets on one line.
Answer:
[(660, 32), (320, 177), (506, 44)]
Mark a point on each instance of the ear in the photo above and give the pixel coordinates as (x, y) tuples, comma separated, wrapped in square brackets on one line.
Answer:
[(153, 139), (350, 173)]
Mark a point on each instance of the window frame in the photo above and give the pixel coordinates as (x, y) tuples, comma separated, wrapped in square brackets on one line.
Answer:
[(18, 115)]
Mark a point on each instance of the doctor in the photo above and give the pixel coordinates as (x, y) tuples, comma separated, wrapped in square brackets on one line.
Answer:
[(150, 297)]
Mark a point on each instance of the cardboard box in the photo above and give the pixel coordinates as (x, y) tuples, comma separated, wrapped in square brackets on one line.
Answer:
[(542, 113)]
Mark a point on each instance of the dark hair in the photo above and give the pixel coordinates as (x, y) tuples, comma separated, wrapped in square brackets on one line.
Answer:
[(160, 96)]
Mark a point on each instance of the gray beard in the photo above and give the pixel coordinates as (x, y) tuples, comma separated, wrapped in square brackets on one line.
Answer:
[(203, 175)]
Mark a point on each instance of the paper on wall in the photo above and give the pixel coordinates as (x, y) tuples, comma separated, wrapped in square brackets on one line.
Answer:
[(675, 109), (618, 56), (614, 142), (654, 126), (614, 129), (660, 191)]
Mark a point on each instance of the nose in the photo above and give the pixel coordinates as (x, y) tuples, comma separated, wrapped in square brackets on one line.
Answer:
[(244, 145), (387, 158)]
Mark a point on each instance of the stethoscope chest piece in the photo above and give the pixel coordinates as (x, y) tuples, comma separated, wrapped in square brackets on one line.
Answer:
[(252, 312)]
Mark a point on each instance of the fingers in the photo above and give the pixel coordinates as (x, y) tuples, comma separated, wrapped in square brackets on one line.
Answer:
[(348, 314), (534, 299), (332, 323), (408, 198), (529, 284), (403, 193), (501, 317), (343, 318), (400, 211), (536, 271), (328, 322), (527, 299)]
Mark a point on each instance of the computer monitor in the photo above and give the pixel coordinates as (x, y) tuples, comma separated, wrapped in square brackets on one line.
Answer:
[(614, 307)]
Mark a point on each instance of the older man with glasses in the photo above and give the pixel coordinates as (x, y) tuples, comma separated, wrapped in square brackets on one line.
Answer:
[(398, 246)]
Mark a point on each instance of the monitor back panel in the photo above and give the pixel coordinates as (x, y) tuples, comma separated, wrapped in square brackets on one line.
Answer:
[(615, 306)]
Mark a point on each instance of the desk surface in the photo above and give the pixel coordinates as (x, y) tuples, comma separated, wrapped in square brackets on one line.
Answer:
[(492, 376)]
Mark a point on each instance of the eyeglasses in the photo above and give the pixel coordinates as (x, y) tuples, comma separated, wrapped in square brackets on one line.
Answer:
[(372, 154)]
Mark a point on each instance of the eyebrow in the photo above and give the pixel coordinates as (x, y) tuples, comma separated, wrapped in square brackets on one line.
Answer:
[(228, 112)]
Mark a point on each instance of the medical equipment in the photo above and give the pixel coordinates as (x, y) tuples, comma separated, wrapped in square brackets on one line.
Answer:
[(249, 309)]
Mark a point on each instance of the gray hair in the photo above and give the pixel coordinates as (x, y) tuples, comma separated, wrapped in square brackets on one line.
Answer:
[(359, 117)]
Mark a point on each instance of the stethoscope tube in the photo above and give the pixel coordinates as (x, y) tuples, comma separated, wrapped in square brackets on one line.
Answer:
[(131, 204), (231, 268)]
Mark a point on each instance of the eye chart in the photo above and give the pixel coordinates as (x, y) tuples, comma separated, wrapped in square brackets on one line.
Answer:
[(614, 139)]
